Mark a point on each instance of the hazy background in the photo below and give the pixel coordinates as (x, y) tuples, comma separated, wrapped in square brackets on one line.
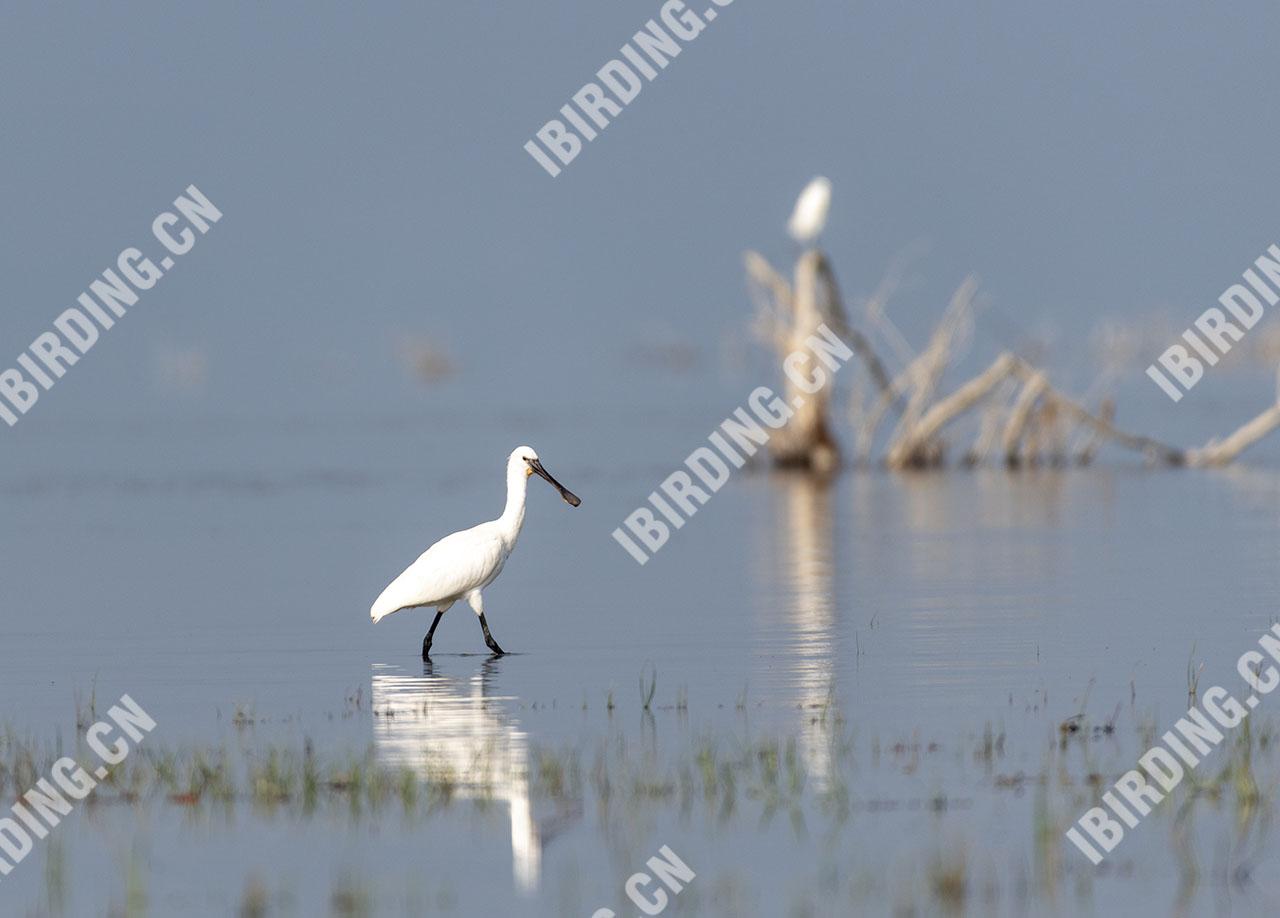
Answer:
[(1112, 161), (201, 512)]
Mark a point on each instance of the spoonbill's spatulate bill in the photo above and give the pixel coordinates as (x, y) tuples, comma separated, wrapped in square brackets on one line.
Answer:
[(459, 566)]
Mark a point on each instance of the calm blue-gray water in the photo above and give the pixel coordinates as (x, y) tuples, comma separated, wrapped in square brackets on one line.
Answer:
[(858, 686)]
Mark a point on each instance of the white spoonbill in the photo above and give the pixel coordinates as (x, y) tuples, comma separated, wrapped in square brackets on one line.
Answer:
[(810, 216), (459, 566)]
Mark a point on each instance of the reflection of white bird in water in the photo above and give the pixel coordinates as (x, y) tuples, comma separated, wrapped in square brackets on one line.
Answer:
[(459, 566), (459, 729), (810, 216)]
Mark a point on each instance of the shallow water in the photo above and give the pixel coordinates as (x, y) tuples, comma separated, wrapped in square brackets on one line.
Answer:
[(858, 687)]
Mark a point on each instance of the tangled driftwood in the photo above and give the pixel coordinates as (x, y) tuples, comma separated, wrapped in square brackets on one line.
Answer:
[(1034, 427)]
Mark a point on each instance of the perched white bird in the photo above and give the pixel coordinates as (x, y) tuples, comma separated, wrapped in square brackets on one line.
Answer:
[(459, 566), (810, 216)]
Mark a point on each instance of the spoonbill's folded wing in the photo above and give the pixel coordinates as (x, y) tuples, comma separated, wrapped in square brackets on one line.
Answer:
[(446, 571)]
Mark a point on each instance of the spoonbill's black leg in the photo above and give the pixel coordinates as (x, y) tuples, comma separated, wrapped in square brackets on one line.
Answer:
[(426, 641), (488, 638)]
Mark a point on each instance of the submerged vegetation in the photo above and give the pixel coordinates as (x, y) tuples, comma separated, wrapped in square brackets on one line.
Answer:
[(824, 784)]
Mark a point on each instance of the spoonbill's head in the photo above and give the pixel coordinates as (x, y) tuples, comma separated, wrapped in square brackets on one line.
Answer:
[(525, 461)]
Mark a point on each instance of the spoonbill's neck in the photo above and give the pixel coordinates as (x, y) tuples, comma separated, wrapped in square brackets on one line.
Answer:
[(513, 516)]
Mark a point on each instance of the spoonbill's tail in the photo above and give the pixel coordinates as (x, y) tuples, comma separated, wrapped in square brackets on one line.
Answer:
[(387, 603), (381, 609)]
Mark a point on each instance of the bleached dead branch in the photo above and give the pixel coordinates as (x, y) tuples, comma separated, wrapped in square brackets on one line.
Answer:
[(832, 306), (989, 431), (1107, 413), (926, 371), (1036, 426), (876, 313), (1032, 388), (1221, 452), (906, 450)]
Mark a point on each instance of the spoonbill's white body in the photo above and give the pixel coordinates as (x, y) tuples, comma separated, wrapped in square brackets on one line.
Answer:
[(810, 216), (461, 565)]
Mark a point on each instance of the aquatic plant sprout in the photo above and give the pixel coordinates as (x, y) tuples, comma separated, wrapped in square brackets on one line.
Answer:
[(42, 807), (1201, 729)]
